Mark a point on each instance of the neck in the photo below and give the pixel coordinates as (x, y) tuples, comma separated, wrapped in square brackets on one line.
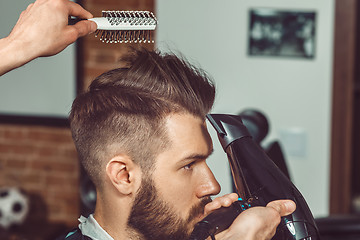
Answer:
[(112, 213)]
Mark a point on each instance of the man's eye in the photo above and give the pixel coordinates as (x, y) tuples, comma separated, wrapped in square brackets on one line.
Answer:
[(189, 166)]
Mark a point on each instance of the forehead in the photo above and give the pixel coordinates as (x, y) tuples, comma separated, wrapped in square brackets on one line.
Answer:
[(187, 134), (188, 137)]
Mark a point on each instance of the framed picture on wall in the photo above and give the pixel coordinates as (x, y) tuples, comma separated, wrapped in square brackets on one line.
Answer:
[(281, 33)]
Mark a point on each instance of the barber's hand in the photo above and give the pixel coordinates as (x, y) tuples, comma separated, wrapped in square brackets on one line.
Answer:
[(258, 223), (43, 26), (42, 30), (224, 201)]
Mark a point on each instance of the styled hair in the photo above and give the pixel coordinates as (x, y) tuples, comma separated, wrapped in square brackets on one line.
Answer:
[(124, 109)]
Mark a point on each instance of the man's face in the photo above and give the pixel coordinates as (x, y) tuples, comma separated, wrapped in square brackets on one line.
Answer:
[(171, 201)]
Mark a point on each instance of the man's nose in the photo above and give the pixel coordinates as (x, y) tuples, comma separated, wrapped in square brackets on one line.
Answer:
[(208, 184)]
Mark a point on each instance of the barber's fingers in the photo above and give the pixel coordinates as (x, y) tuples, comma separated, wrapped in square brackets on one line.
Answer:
[(224, 201), (283, 207), (77, 11), (80, 29), (72, 8), (85, 27)]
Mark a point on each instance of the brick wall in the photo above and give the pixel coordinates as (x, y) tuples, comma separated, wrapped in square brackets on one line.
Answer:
[(42, 160)]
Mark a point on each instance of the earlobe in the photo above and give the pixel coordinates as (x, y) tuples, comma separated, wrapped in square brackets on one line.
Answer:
[(121, 171)]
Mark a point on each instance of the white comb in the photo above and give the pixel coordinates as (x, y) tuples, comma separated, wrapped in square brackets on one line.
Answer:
[(125, 26)]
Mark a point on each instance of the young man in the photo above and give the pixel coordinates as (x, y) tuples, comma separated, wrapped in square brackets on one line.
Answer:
[(141, 136)]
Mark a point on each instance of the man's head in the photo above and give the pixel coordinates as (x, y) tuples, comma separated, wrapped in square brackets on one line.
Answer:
[(124, 109), (149, 114)]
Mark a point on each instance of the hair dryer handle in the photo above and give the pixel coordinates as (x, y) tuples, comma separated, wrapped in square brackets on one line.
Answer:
[(219, 220)]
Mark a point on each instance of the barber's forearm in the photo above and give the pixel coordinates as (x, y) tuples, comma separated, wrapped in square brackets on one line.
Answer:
[(13, 54)]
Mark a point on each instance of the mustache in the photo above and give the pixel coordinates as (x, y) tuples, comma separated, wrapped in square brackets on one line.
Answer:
[(198, 208)]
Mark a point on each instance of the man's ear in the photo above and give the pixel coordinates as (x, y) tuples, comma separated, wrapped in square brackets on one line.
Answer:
[(123, 174)]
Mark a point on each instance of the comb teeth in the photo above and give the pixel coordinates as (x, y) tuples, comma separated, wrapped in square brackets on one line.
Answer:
[(124, 36), (137, 27)]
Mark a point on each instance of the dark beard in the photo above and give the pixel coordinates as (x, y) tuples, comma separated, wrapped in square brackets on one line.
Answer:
[(154, 219)]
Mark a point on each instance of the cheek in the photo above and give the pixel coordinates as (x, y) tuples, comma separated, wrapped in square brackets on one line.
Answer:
[(179, 192)]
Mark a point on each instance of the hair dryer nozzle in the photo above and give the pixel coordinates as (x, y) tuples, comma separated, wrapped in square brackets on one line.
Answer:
[(228, 127)]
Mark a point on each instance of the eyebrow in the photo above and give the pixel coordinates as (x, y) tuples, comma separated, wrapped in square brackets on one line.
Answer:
[(198, 156)]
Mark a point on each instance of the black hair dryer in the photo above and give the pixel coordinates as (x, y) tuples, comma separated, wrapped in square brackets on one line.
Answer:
[(258, 181)]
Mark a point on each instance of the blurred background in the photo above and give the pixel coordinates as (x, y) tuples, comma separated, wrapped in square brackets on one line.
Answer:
[(293, 61)]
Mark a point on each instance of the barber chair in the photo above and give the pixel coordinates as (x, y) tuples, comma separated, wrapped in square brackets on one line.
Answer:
[(333, 227)]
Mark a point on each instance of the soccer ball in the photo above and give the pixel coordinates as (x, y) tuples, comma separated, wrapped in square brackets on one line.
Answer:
[(14, 207)]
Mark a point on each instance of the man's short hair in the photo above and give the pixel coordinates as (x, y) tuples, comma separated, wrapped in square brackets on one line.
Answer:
[(124, 109)]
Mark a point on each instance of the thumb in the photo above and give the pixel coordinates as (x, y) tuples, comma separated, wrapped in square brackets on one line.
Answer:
[(283, 207), (85, 27)]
